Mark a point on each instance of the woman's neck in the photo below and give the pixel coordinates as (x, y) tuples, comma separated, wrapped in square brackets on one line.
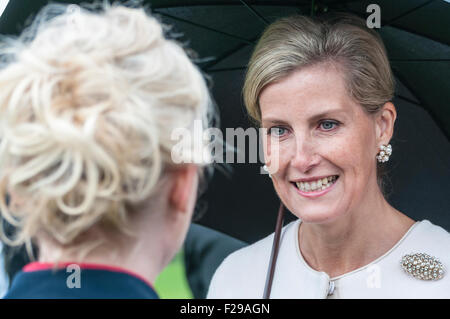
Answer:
[(137, 256), (355, 239)]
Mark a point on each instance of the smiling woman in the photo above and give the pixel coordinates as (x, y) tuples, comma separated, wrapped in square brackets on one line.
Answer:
[(323, 88), (310, 153)]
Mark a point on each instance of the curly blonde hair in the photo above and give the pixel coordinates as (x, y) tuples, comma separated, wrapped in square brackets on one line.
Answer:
[(87, 107)]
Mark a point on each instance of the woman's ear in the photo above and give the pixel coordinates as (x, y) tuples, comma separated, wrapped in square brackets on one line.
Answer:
[(184, 188), (385, 123)]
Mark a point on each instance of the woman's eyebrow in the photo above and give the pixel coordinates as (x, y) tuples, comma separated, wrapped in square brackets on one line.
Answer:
[(327, 114), (274, 120)]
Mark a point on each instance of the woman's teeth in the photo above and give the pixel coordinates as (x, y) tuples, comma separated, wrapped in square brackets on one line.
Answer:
[(319, 184)]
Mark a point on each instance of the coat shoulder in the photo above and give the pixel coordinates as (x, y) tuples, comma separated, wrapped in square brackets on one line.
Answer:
[(242, 274)]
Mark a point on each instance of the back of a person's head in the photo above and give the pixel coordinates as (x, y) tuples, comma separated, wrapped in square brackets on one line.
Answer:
[(88, 104)]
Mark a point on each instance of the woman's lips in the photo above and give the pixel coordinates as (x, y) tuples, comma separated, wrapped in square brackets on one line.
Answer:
[(316, 193)]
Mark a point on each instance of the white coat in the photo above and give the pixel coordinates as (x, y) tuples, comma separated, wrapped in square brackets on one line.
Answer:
[(243, 273)]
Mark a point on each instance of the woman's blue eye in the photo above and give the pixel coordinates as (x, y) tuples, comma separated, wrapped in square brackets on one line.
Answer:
[(328, 125), (277, 131)]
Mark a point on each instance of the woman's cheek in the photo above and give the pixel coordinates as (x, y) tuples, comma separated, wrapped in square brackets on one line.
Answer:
[(350, 154), (337, 150), (280, 155)]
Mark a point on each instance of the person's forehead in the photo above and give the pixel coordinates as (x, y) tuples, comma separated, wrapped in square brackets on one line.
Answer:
[(311, 91)]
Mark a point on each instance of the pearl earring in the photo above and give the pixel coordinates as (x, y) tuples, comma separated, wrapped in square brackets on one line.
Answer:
[(267, 170), (385, 152)]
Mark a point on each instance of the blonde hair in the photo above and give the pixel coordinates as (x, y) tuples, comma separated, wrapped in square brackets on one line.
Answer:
[(87, 107), (298, 41)]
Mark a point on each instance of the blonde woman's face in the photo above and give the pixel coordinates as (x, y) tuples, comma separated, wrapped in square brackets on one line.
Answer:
[(326, 144)]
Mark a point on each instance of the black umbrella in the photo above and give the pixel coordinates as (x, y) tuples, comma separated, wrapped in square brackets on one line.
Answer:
[(417, 38), (223, 33)]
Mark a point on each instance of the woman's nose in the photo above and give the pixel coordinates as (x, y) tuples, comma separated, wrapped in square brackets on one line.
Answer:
[(305, 156)]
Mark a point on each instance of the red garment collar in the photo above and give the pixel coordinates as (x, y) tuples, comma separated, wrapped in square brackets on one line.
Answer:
[(36, 266)]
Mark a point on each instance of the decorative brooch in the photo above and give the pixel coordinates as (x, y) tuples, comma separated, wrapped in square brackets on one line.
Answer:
[(423, 266)]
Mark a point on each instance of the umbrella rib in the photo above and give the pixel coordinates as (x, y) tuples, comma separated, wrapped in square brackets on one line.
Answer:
[(431, 115), (400, 27), (426, 36), (407, 12), (233, 3), (256, 13), (440, 123), (312, 9), (407, 99), (235, 37), (224, 56), (228, 69), (419, 60), (341, 2), (406, 84)]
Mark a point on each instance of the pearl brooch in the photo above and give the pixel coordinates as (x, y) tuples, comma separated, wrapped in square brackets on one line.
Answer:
[(423, 266)]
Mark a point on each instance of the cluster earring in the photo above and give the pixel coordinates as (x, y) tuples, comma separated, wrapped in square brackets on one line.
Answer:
[(385, 152)]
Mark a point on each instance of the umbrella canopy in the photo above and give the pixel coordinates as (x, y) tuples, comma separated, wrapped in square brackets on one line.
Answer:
[(416, 34)]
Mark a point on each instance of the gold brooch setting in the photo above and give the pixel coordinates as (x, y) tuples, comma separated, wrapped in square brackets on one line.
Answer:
[(422, 266)]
